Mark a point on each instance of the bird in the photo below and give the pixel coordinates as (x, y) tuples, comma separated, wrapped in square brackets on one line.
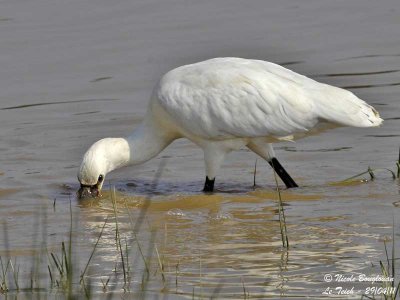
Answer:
[(224, 104)]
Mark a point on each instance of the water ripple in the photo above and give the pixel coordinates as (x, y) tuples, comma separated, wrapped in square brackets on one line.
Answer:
[(52, 103), (293, 149), (357, 73), (369, 56), (101, 79), (288, 63), (383, 135), (367, 86)]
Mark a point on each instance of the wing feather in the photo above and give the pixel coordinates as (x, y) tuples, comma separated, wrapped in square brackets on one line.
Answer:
[(237, 100)]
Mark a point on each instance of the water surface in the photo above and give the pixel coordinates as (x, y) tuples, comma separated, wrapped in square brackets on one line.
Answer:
[(77, 71)]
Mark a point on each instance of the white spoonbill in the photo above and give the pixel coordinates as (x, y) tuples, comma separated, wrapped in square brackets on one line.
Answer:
[(223, 104)]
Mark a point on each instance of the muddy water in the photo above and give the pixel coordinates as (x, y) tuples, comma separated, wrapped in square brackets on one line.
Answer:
[(73, 72)]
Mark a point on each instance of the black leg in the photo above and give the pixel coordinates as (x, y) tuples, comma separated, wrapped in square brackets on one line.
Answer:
[(208, 185), (276, 165)]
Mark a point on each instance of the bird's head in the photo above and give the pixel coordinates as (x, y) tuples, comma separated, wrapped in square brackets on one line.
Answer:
[(92, 172), (102, 157)]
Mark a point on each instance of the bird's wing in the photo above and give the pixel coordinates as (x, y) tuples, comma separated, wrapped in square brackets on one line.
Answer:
[(238, 101)]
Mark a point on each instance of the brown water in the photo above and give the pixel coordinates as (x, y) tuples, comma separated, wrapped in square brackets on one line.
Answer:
[(76, 71)]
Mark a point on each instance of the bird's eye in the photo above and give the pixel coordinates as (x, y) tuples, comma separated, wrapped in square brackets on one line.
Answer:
[(101, 177)]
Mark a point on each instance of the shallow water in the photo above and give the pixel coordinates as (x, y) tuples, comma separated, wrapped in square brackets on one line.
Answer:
[(74, 72)]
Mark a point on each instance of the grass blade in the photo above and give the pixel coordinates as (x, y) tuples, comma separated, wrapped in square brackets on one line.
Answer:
[(371, 172), (94, 249), (117, 235), (255, 174), (282, 219)]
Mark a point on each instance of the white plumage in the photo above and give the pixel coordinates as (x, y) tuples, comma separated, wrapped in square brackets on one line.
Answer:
[(223, 104)]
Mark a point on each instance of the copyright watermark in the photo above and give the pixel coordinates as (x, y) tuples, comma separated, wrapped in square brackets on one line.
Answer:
[(343, 284), (328, 278)]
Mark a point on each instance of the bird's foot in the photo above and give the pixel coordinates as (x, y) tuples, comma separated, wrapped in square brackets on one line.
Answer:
[(208, 185)]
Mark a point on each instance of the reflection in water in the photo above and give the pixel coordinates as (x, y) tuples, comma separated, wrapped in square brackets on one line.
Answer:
[(216, 242), (211, 245)]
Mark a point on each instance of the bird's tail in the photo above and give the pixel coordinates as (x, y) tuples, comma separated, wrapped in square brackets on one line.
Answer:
[(344, 108)]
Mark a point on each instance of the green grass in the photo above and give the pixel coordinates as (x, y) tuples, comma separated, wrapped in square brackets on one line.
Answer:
[(371, 172), (281, 214), (389, 271)]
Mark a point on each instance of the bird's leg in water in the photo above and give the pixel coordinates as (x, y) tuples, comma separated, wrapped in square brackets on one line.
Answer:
[(287, 180), (266, 151), (208, 185), (214, 153)]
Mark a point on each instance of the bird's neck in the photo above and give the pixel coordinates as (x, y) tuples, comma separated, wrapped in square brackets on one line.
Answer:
[(146, 141)]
